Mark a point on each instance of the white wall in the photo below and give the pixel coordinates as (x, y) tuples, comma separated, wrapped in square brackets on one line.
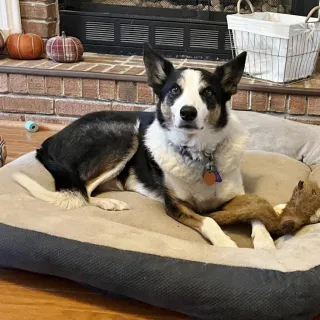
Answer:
[(10, 19)]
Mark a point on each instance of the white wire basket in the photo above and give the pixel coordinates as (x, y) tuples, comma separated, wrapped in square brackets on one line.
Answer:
[(281, 48)]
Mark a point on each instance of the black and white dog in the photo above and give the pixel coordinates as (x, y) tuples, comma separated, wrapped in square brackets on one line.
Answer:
[(187, 154)]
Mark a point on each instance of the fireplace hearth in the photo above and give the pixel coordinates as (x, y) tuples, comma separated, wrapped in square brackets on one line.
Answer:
[(177, 28)]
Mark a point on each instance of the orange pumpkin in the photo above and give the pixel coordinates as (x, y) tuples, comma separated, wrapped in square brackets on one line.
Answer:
[(2, 42), (27, 46)]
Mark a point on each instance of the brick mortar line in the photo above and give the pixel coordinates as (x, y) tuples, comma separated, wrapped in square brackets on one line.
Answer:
[(109, 76), (249, 100), (38, 4), (62, 87), (55, 66), (68, 98), (287, 104), (79, 64), (46, 21), (39, 65), (26, 95), (141, 73), (304, 116), (269, 102), (126, 61), (306, 105)]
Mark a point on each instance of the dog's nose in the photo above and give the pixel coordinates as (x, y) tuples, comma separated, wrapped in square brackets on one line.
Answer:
[(188, 113)]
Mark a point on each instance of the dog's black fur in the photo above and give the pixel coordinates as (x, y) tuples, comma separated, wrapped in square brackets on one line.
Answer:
[(68, 155)]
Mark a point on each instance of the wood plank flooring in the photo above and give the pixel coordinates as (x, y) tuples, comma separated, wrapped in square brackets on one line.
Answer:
[(27, 296)]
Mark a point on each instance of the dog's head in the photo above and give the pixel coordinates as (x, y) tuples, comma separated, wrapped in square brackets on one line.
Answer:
[(192, 99)]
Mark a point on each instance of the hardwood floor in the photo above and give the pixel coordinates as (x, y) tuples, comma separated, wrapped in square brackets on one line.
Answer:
[(19, 141), (27, 296)]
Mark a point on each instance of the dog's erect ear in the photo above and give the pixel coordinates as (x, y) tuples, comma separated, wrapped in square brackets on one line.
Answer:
[(157, 68), (231, 73)]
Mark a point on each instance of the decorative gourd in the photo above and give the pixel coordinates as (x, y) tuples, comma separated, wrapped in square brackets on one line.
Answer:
[(64, 49), (27, 46), (2, 42)]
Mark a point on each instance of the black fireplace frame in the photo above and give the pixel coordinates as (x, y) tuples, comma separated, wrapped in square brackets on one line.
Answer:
[(183, 33)]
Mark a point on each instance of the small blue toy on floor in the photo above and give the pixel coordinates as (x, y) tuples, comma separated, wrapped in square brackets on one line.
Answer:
[(31, 126)]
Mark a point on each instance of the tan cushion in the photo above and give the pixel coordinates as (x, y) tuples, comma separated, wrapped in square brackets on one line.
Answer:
[(270, 175), (315, 174)]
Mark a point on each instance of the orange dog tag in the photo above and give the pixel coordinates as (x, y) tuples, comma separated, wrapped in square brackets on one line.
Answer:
[(209, 178)]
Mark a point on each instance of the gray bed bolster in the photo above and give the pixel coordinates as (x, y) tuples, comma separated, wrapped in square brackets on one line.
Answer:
[(202, 291)]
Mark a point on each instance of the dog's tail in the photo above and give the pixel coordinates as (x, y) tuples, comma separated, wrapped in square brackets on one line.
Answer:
[(64, 199), (35, 188)]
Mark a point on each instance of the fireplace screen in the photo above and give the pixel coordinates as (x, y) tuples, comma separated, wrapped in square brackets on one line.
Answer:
[(227, 6), (176, 28)]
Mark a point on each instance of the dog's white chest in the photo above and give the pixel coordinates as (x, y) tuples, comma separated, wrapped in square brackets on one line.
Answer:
[(185, 178), (203, 197)]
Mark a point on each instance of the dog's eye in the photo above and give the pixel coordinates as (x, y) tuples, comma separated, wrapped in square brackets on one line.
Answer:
[(208, 93), (175, 90)]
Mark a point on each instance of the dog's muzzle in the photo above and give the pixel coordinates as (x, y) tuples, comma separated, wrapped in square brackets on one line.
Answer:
[(188, 113)]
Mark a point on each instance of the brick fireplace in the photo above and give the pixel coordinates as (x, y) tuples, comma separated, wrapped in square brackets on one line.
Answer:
[(51, 92), (40, 17)]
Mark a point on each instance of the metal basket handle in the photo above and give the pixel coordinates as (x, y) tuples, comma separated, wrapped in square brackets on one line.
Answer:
[(311, 13), (249, 4)]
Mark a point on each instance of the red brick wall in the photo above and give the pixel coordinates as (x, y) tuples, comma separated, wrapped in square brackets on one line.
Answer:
[(40, 17), (58, 100), (300, 108)]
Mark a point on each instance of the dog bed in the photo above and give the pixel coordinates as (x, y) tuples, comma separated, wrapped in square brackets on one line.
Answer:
[(145, 255)]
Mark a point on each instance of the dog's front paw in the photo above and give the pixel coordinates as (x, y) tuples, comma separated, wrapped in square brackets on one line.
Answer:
[(260, 236), (110, 204), (226, 243), (212, 231)]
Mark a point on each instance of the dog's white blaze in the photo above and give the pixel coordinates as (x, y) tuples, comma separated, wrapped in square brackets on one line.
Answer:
[(316, 217), (191, 84), (212, 231)]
